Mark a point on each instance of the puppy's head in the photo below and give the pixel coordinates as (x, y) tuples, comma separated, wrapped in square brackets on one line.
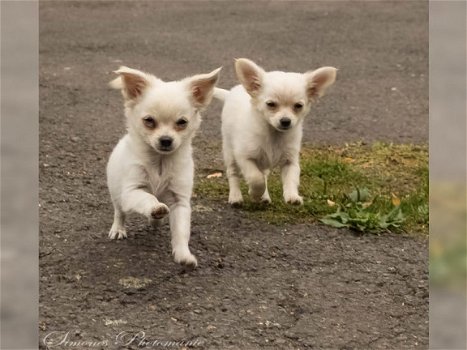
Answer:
[(283, 99), (164, 114)]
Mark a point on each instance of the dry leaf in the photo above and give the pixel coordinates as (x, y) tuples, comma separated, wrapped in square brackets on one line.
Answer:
[(331, 203), (210, 176), (395, 200)]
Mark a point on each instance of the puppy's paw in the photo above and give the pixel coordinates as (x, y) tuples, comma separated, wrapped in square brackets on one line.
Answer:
[(185, 258), (265, 199), (236, 204), (159, 211), (117, 233), (256, 190), (293, 199), (235, 199), (255, 196)]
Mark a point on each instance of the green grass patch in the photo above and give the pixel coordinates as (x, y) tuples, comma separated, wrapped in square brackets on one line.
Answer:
[(383, 187)]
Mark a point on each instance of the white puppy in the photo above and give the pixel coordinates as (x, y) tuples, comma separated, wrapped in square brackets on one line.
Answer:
[(150, 171), (262, 126)]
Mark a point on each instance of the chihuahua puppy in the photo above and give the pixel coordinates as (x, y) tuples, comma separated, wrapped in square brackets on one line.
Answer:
[(150, 171), (262, 127)]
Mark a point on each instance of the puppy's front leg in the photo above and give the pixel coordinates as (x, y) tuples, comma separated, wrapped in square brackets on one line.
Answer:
[(142, 202), (117, 231), (255, 179), (180, 219), (235, 194), (290, 173)]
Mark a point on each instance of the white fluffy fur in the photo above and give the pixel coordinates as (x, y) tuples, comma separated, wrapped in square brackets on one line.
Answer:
[(145, 179), (254, 140)]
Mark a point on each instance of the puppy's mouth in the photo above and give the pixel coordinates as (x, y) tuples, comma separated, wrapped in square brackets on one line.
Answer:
[(284, 128), (165, 150)]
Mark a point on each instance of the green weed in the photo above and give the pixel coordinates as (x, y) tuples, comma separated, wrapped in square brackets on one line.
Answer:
[(383, 187)]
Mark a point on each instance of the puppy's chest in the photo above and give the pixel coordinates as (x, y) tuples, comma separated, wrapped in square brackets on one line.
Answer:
[(159, 176), (269, 155)]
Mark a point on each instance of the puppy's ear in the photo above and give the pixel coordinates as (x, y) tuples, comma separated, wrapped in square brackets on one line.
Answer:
[(132, 82), (319, 80), (250, 75), (201, 87)]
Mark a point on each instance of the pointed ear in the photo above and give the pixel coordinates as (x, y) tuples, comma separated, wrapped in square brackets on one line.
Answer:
[(319, 80), (250, 75), (201, 87), (132, 82)]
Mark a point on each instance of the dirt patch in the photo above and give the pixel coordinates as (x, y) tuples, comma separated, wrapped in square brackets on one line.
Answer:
[(258, 285)]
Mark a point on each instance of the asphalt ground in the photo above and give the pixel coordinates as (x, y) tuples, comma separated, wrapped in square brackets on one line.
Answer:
[(258, 286)]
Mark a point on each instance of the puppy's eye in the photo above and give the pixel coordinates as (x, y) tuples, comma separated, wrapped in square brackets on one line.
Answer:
[(298, 106), (149, 122), (271, 104), (181, 123)]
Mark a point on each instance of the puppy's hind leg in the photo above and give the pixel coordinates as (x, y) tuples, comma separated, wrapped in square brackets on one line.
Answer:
[(117, 231), (255, 179)]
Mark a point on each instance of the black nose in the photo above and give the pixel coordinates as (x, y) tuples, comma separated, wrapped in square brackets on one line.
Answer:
[(285, 122), (165, 141)]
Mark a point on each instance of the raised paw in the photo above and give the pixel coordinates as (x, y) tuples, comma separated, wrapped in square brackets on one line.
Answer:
[(117, 233), (293, 199), (160, 211)]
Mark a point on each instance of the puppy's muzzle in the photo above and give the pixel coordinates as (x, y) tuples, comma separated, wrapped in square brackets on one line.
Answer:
[(165, 143), (285, 123)]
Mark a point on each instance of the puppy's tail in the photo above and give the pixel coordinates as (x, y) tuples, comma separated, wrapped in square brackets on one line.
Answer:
[(220, 94)]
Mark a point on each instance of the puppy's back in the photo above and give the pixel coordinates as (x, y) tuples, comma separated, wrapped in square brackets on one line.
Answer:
[(236, 111)]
